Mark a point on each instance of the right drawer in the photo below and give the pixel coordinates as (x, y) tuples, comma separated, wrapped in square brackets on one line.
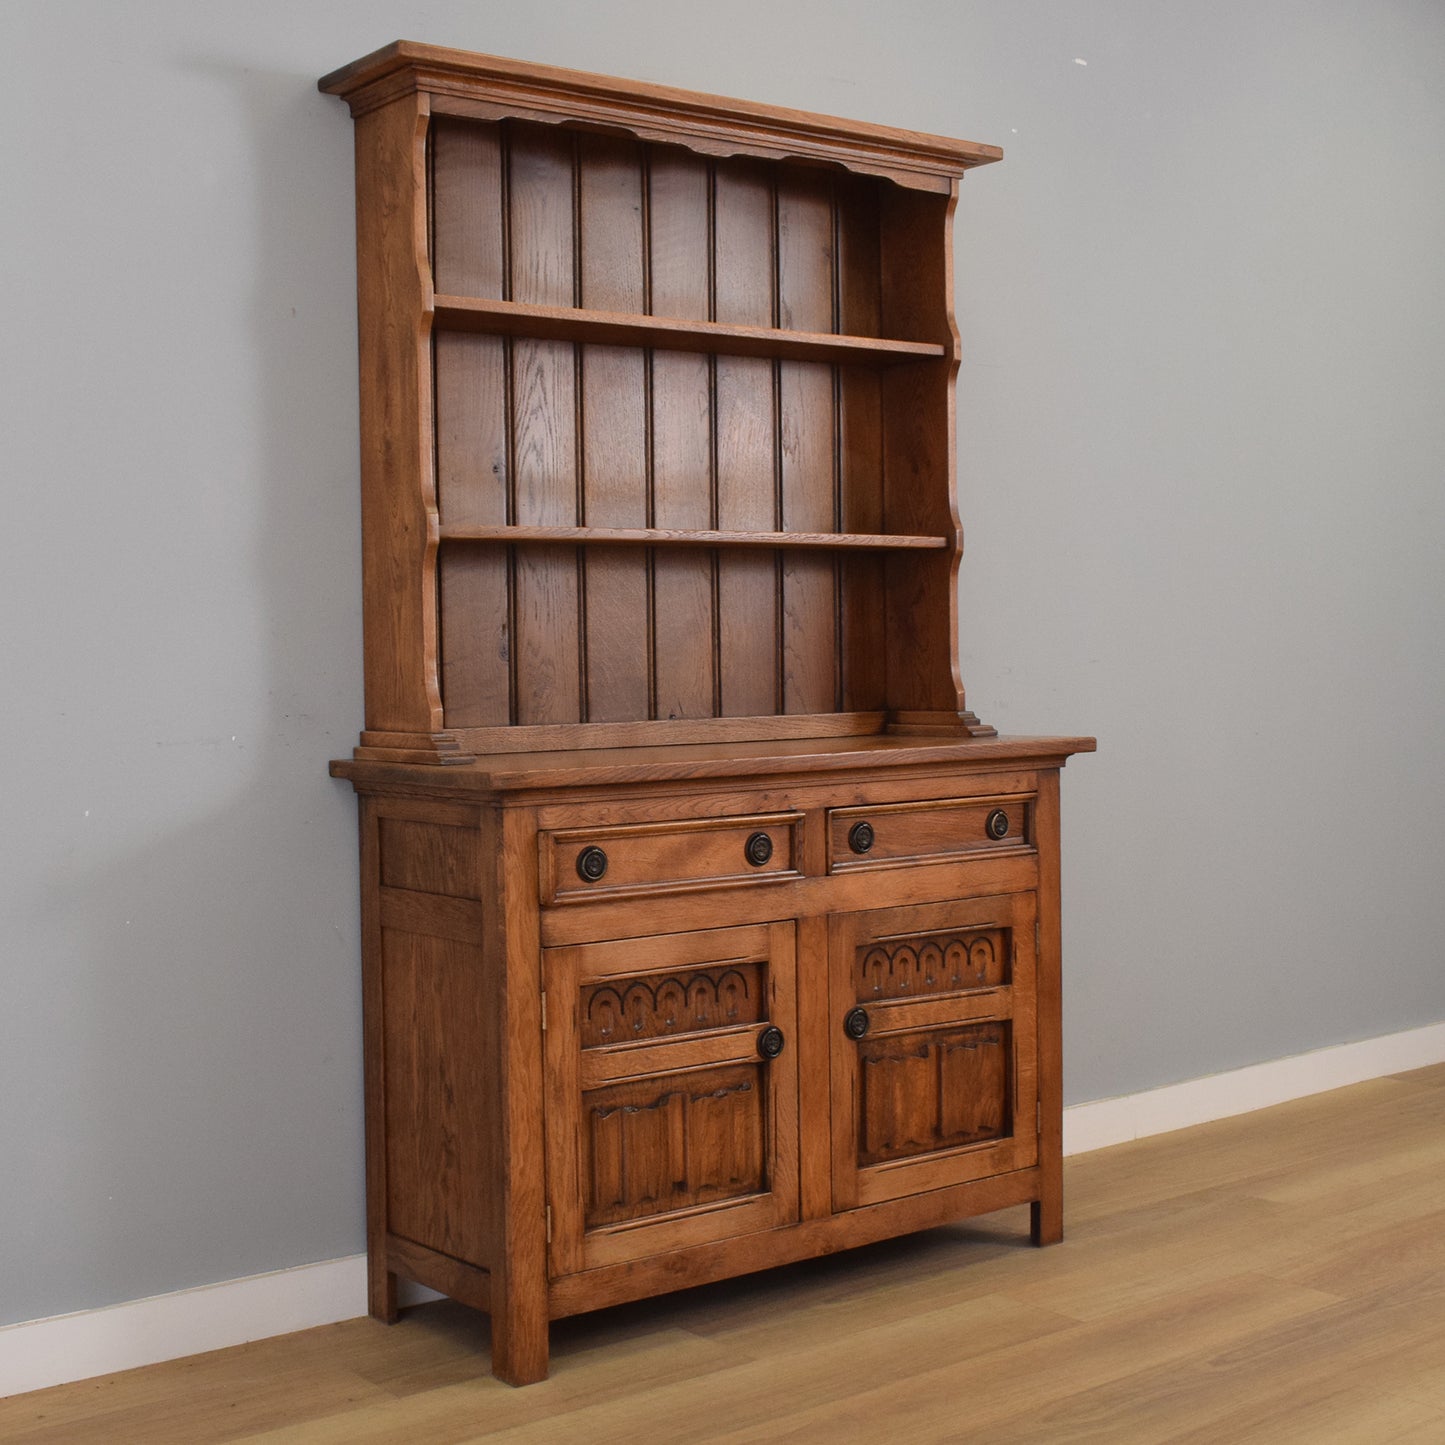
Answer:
[(889, 834)]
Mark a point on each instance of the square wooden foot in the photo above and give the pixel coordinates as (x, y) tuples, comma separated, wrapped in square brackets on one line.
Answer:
[(1046, 1220), (519, 1351), (381, 1293)]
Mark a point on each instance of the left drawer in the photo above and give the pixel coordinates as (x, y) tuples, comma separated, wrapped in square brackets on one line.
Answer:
[(585, 864)]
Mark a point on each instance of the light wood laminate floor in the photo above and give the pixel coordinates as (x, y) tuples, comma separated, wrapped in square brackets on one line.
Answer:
[(1278, 1277)]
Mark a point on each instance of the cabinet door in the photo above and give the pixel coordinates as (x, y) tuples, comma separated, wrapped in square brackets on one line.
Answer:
[(672, 1097), (934, 1055)]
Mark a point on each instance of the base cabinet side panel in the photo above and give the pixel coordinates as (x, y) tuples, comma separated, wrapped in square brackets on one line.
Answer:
[(437, 1145)]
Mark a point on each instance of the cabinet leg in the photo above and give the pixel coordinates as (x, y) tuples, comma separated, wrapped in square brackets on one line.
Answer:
[(1046, 1216), (381, 1293), (519, 1344)]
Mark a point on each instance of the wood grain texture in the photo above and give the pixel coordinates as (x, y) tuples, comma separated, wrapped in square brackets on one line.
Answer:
[(514, 1057), (656, 732), (436, 1144), (919, 452), (714, 761), (531, 293), (474, 585), (668, 1147), (618, 594), (704, 122), (468, 241), (472, 463), (939, 828), (747, 495), (689, 1136), (661, 857), (918, 1096), (862, 604), (671, 537), (615, 430), (618, 328), (428, 1107), (660, 495), (807, 442), (381, 1283), (430, 856), (548, 660), (684, 487), (452, 1277), (652, 1146), (1047, 1223), (397, 480)]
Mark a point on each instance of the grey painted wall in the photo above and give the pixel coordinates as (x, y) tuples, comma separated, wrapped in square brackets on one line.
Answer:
[(1202, 458)]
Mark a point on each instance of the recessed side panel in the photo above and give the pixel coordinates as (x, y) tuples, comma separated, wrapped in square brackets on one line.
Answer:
[(438, 1152)]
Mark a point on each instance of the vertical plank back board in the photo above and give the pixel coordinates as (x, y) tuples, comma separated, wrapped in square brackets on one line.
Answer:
[(617, 641), (807, 422), (541, 224), (744, 269), (860, 445), (684, 487), (471, 425)]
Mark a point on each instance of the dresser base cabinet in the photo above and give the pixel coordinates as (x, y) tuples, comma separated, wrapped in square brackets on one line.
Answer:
[(600, 1066)]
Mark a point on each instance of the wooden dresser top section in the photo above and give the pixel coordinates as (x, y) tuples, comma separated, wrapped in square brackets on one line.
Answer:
[(610, 767), (487, 87)]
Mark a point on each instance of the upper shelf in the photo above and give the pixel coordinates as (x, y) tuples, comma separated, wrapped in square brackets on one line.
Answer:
[(615, 328), (660, 536)]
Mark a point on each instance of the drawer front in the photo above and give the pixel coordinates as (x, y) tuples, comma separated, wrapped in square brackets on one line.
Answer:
[(588, 864), (891, 834)]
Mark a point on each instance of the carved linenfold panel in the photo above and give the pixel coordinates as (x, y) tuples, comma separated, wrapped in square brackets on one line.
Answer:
[(655, 1145), (659, 1005), (938, 1090), (917, 966)]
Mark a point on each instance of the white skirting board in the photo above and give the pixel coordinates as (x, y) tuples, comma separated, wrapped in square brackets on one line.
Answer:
[(39, 1353), (1102, 1122)]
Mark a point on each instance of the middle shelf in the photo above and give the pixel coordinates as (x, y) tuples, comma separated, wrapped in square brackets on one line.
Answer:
[(616, 328), (668, 537)]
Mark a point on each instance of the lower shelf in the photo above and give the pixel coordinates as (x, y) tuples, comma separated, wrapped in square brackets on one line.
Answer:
[(674, 537)]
